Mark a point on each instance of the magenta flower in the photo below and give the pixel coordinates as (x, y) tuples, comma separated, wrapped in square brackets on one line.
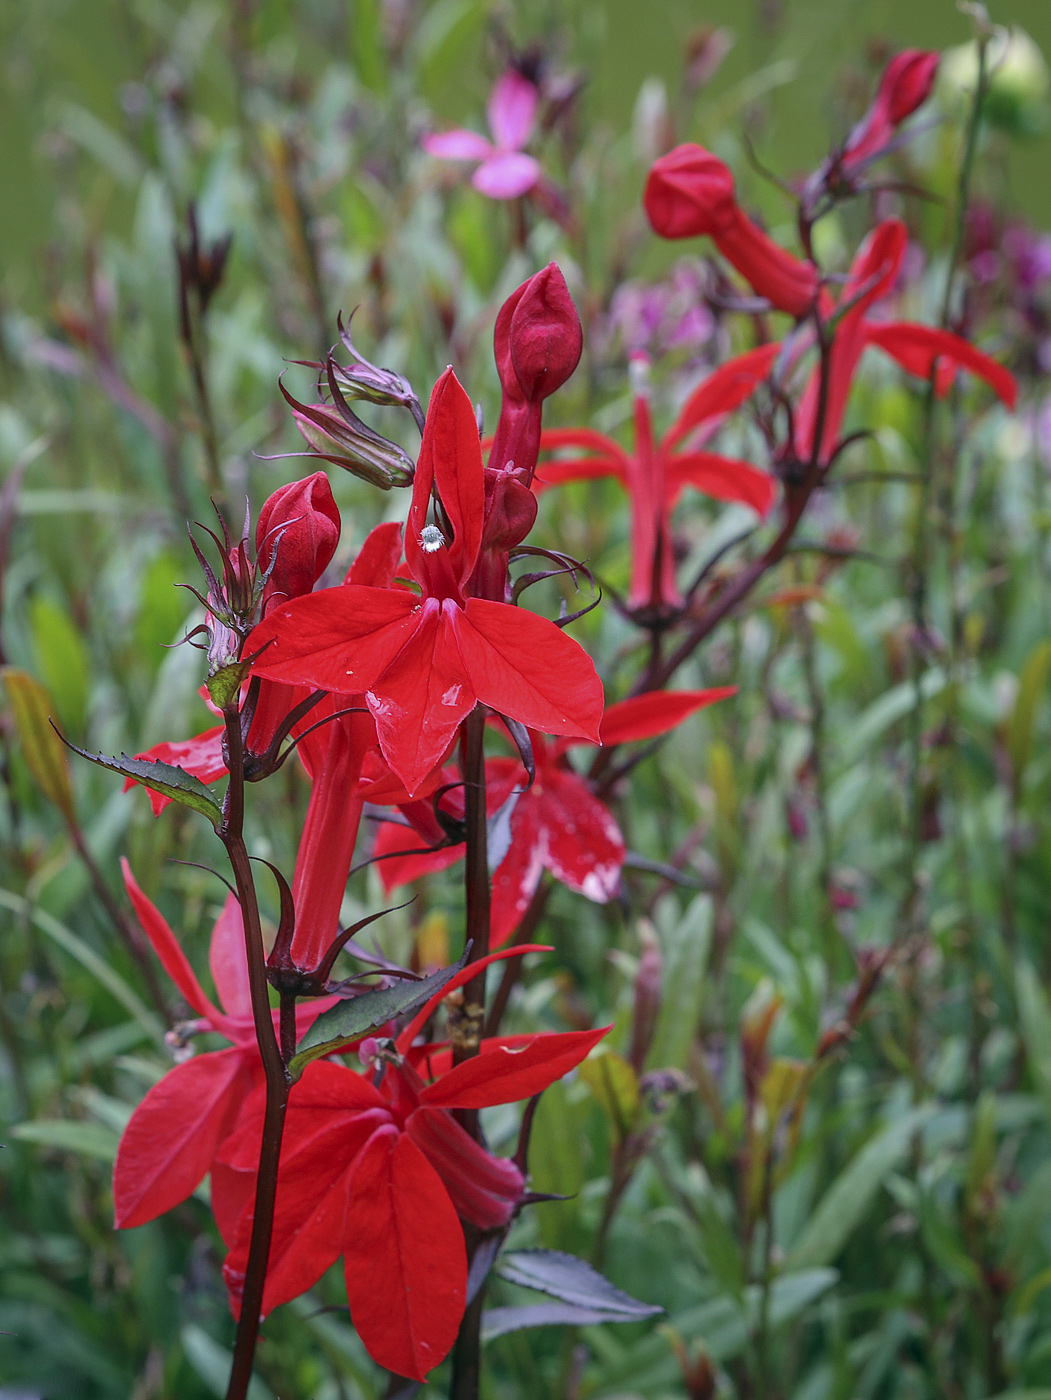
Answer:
[(504, 170)]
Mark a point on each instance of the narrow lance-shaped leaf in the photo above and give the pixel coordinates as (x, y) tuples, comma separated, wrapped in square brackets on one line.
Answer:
[(41, 746), (572, 1280), (166, 778), (360, 1016)]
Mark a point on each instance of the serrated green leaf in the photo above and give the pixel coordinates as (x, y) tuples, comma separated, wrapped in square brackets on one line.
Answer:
[(358, 1016), (166, 778), (850, 1195), (42, 748)]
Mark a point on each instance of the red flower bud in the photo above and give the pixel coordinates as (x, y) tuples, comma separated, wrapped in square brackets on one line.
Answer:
[(538, 336), (906, 84), (690, 193), (907, 81), (301, 523)]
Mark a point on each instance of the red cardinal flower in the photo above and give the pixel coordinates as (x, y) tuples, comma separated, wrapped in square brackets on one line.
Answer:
[(424, 661), (557, 824), (656, 474), (690, 193), (173, 1136), (384, 1175), (917, 348), (504, 171)]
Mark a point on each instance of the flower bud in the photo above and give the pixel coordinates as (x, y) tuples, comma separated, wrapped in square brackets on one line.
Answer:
[(338, 435), (364, 380), (690, 193), (541, 336), (907, 82), (296, 537)]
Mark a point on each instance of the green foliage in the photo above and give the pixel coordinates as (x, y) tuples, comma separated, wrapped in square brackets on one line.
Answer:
[(826, 1206)]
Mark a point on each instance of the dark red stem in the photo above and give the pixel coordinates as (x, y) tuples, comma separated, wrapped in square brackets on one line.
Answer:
[(278, 1082)]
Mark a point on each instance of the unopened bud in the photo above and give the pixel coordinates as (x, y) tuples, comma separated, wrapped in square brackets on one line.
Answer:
[(338, 435), (689, 193), (907, 82), (296, 537), (538, 339), (364, 380)]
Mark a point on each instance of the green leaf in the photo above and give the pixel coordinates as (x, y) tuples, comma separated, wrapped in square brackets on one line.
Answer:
[(212, 1363), (616, 1086), (166, 778), (88, 959), (848, 1198), (350, 1020), (62, 660), (573, 1280), (41, 746), (1032, 686), (684, 965), (1034, 1015), (67, 1135)]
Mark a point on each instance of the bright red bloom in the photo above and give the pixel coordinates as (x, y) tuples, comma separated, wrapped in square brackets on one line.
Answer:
[(690, 193), (557, 824), (172, 1138), (656, 474), (384, 1175), (917, 348), (424, 661)]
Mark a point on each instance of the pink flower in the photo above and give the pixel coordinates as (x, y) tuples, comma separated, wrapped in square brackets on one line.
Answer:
[(504, 171)]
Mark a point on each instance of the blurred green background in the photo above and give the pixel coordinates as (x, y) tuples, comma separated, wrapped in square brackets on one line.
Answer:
[(64, 58)]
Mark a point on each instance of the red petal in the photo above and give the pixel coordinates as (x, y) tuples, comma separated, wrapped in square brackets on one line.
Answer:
[(585, 849), (451, 459), (403, 870), (916, 348), (527, 668), (412, 1030), (421, 697), (166, 946), (723, 391), (724, 478), (484, 1189), (655, 712), (311, 1205), (577, 469), (229, 962), (551, 439), (518, 874), (340, 639), (379, 557), (202, 756), (504, 1074), (406, 1265), (172, 1137)]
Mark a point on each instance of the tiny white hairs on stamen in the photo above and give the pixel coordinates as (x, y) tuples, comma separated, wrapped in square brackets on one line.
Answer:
[(431, 539)]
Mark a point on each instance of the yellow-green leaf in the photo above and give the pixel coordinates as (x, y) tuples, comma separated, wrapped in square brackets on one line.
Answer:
[(616, 1086), (1032, 685), (41, 746)]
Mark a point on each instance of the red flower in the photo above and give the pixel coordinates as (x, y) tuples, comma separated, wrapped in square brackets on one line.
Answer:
[(690, 193), (655, 474), (557, 824), (425, 661), (917, 348), (172, 1138), (383, 1175)]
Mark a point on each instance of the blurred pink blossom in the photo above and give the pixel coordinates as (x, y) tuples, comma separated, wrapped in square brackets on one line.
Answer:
[(505, 171)]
